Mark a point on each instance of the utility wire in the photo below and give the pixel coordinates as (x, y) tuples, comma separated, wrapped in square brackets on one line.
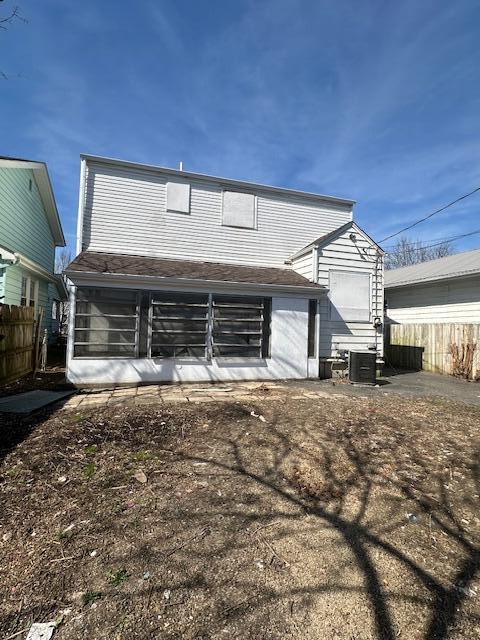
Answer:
[(430, 215), (436, 244)]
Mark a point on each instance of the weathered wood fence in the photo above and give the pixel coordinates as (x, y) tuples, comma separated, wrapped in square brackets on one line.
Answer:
[(434, 347), (16, 342)]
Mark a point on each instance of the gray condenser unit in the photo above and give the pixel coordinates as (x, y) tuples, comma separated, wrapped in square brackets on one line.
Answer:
[(362, 367)]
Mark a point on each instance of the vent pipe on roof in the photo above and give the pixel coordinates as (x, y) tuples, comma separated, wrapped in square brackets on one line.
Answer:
[(181, 165)]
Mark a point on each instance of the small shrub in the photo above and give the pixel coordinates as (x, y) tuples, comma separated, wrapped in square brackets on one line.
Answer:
[(118, 577), (89, 470), (90, 596), (91, 449)]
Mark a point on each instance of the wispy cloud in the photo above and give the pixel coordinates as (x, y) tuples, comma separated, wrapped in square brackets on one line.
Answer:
[(379, 104)]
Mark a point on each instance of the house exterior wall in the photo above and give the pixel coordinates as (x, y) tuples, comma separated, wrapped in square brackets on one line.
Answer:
[(23, 222), (24, 228), (450, 301), (288, 348), (343, 254), (124, 211)]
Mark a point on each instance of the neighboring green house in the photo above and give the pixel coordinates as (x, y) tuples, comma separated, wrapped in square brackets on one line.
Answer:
[(30, 230)]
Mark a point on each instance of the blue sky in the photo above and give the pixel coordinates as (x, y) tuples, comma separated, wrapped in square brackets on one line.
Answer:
[(377, 100)]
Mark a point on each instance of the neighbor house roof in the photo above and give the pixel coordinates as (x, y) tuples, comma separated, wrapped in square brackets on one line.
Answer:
[(95, 263), (460, 264), (40, 173), (238, 184)]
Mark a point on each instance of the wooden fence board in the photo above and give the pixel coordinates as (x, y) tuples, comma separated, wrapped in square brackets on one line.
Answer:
[(428, 346), (16, 342)]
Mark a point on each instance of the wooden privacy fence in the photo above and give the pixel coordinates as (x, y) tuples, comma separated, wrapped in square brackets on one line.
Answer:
[(16, 342), (442, 348)]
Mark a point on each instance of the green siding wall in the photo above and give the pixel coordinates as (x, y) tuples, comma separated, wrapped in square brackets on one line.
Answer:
[(13, 288), (23, 223), (24, 228)]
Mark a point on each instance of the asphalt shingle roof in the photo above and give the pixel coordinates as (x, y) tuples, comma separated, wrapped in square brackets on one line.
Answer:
[(119, 264)]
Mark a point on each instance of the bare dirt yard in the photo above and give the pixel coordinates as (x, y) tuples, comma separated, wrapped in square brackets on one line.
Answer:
[(342, 517)]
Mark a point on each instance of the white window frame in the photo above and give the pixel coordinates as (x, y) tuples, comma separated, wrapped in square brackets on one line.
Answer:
[(335, 316), (31, 292)]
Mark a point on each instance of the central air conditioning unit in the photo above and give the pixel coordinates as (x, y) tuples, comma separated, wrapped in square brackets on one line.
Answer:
[(362, 367)]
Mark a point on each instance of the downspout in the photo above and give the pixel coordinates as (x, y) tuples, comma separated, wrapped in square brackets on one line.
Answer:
[(81, 205)]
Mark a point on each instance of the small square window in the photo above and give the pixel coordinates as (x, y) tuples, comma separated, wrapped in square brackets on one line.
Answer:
[(178, 197), (239, 210)]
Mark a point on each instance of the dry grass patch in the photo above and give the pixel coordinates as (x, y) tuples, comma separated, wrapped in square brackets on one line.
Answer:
[(335, 518)]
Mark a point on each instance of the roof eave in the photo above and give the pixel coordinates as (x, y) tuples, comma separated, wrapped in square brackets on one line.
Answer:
[(224, 181), (328, 237), (193, 283)]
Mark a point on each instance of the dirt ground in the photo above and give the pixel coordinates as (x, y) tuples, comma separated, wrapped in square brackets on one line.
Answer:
[(349, 518)]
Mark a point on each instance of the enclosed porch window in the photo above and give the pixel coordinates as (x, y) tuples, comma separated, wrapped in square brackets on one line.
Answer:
[(125, 323), (106, 323), (179, 325)]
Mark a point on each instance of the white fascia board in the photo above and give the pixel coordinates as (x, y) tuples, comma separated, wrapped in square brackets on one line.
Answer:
[(329, 237), (7, 256), (81, 204), (34, 267), (46, 193), (187, 284), (228, 182)]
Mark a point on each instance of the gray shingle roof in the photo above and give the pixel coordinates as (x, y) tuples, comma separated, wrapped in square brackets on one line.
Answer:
[(460, 264), (118, 264)]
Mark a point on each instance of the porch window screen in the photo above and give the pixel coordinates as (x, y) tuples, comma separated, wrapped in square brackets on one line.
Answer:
[(179, 325), (240, 326), (130, 324), (106, 323)]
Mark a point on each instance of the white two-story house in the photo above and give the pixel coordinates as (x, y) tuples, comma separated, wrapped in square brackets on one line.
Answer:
[(187, 277)]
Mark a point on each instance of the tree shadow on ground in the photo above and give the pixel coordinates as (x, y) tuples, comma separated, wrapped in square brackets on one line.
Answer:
[(250, 524)]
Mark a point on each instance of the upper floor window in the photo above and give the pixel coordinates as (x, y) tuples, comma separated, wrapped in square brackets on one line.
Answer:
[(350, 296), (239, 210)]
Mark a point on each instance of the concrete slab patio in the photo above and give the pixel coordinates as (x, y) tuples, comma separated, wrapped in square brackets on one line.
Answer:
[(408, 384)]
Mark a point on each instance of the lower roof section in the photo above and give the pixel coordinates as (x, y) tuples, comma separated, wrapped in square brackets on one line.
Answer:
[(108, 265)]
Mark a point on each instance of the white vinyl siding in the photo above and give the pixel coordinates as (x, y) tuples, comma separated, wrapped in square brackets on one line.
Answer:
[(341, 254), (456, 301), (304, 265), (125, 212)]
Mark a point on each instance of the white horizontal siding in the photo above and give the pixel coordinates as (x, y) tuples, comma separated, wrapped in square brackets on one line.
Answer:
[(125, 212), (304, 265), (342, 254), (454, 301)]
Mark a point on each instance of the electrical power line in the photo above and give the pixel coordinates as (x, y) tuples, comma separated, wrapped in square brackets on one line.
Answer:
[(430, 215), (436, 244)]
